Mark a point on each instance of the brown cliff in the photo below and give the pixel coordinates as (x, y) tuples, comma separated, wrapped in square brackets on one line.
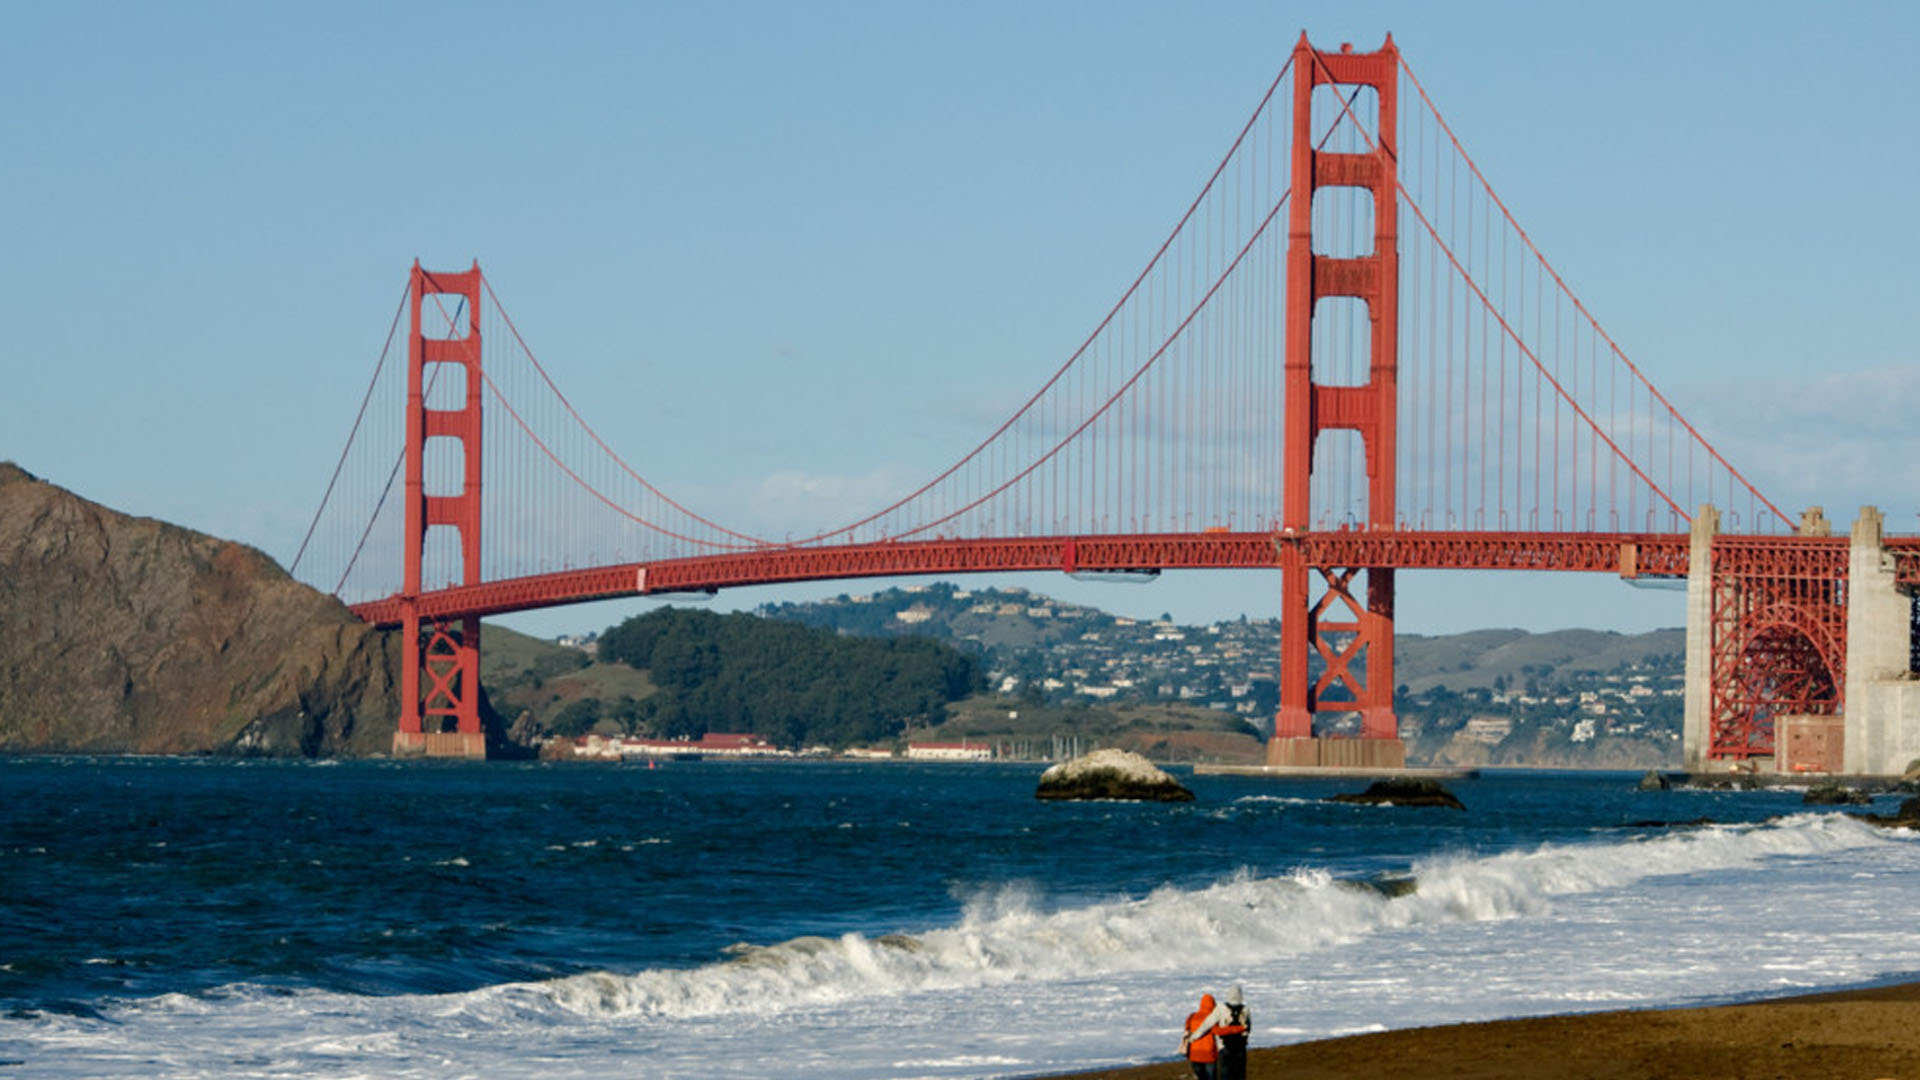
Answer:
[(121, 634)]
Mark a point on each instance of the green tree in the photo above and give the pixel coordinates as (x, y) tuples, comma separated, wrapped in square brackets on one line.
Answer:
[(577, 718), (791, 684)]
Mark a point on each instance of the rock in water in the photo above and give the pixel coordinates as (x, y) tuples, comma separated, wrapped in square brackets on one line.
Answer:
[(1909, 781), (1403, 791), (1835, 795), (1110, 774), (1655, 780), (1908, 817)]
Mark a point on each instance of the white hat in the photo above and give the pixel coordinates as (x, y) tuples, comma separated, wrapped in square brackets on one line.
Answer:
[(1233, 995)]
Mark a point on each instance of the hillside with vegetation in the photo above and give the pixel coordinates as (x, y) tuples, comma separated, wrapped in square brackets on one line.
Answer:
[(554, 689), (1162, 732), (792, 684), (1569, 698), (1052, 678), (676, 673)]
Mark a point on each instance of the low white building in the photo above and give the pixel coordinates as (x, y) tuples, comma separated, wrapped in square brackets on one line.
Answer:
[(949, 751), (1488, 729), (712, 744)]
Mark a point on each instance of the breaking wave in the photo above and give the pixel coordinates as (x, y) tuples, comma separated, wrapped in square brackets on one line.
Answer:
[(1006, 935)]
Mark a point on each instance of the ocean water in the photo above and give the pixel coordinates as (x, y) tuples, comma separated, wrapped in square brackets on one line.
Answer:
[(198, 918)]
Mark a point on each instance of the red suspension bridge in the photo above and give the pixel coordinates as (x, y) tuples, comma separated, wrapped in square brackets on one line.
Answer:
[(1346, 359)]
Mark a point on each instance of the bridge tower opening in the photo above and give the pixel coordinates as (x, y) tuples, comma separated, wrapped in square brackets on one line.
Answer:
[(1350, 625), (440, 715)]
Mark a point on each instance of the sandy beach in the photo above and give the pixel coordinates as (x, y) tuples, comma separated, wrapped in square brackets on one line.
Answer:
[(1848, 1035)]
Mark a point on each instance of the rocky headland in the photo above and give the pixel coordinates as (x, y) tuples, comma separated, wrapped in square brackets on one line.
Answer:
[(121, 634)]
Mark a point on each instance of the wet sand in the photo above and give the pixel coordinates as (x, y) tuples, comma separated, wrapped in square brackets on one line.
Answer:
[(1848, 1035)]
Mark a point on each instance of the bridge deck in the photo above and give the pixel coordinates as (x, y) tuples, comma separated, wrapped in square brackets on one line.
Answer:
[(1631, 555), (1628, 554)]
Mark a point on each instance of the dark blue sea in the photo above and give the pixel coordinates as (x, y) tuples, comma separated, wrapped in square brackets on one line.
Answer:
[(202, 918)]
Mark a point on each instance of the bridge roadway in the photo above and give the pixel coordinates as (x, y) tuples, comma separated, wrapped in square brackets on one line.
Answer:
[(1631, 555)]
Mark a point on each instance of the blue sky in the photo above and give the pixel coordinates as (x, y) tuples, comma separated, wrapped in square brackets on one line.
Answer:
[(786, 246)]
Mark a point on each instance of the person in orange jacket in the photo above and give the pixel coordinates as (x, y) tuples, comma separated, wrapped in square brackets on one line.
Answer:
[(1203, 1053)]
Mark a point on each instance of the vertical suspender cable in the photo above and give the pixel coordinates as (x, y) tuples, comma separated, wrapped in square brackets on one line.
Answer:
[(1486, 425), (1453, 217)]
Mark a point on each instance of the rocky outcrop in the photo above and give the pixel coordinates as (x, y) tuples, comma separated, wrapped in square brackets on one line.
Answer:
[(1835, 795), (1733, 781), (1909, 781), (121, 634), (1655, 780), (1110, 774), (1403, 791), (1908, 816)]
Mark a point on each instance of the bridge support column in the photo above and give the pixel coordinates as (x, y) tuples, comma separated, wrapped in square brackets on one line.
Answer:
[(1353, 637), (1881, 732), (442, 718), (1355, 646), (1698, 702), (449, 656), (1294, 721)]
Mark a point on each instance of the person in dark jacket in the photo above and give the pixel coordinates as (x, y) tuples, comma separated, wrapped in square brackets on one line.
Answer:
[(1233, 1036)]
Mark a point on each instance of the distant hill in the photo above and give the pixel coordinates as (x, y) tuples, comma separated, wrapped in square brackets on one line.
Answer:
[(1162, 732), (793, 685), (1484, 658), (1063, 675), (509, 658), (1033, 636), (1568, 697), (559, 688)]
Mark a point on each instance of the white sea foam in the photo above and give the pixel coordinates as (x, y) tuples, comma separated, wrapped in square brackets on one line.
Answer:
[(1006, 936), (1280, 800), (1016, 986)]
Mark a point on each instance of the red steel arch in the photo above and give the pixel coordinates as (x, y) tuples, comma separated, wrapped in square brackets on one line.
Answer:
[(1779, 632)]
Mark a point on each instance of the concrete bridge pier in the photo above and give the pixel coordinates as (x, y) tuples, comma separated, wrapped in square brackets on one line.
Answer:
[(1698, 699), (1877, 729), (1881, 733)]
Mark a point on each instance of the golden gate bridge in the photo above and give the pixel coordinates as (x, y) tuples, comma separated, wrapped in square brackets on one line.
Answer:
[(1346, 359)]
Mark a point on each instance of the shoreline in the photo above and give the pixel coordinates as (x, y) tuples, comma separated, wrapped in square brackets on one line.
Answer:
[(1862, 1033)]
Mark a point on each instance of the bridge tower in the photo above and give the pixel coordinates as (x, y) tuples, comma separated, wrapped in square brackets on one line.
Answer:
[(1350, 629), (441, 718)]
